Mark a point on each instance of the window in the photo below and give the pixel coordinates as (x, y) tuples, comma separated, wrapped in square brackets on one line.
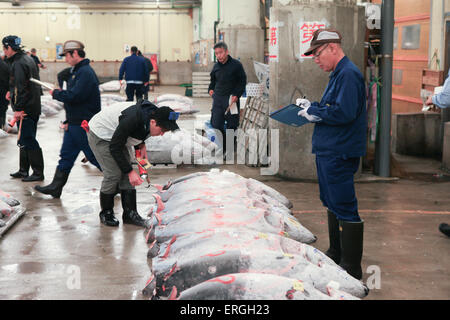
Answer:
[(397, 77), (395, 37), (411, 37)]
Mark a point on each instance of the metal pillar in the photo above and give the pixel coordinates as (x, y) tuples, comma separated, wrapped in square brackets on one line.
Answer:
[(383, 143)]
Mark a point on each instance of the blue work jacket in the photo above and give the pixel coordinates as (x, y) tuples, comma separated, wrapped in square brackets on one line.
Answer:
[(82, 97), (343, 128)]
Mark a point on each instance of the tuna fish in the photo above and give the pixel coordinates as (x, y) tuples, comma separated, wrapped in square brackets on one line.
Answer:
[(191, 270), (201, 201), (236, 216), (177, 102), (257, 286), (8, 199), (179, 147), (3, 134), (5, 209), (225, 239), (212, 224)]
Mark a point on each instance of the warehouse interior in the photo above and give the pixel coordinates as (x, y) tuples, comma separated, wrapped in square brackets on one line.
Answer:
[(56, 248)]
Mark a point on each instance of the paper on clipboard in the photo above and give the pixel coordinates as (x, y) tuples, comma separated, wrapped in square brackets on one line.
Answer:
[(438, 90), (42, 84), (232, 107)]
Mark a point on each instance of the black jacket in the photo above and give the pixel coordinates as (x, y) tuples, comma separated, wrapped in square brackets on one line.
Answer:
[(134, 122), (64, 75), (25, 95), (4, 77), (229, 78)]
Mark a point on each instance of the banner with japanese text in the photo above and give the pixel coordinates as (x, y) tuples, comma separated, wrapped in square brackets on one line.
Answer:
[(306, 30)]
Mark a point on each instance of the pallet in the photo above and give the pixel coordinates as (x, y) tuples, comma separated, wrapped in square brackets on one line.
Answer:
[(255, 117)]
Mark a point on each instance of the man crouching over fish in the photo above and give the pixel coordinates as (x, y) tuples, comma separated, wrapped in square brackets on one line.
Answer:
[(111, 132)]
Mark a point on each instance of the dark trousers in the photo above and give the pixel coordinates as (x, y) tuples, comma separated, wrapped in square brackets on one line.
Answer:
[(146, 89), (336, 184), (134, 89), (28, 134), (3, 108), (74, 141), (218, 116)]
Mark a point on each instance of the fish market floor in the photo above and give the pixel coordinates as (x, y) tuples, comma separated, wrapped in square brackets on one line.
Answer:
[(59, 249)]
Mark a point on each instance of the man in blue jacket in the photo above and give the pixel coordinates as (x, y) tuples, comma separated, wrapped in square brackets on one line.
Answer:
[(442, 101), (81, 102), (136, 74), (339, 140)]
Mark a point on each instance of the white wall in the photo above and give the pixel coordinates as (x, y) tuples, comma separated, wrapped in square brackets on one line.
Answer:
[(238, 12), (437, 30), (209, 15), (104, 31)]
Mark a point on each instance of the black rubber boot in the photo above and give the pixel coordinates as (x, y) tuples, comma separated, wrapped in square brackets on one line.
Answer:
[(445, 229), (351, 234), (37, 164), (334, 252), (130, 214), (24, 165), (107, 213), (55, 188)]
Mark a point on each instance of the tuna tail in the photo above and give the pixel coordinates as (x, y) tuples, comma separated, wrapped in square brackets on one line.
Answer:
[(150, 286), (173, 294), (153, 250)]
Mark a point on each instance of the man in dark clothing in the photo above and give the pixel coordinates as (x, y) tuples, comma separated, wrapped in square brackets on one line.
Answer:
[(228, 78), (64, 76), (136, 74), (81, 102), (150, 69), (25, 100), (111, 133), (36, 59), (4, 87), (339, 140)]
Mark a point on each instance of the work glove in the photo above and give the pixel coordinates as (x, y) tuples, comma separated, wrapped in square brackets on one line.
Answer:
[(305, 104)]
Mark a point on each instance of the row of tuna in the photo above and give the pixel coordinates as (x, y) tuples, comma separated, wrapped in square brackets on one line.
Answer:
[(181, 146), (177, 102), (218, 235), (10, 211)]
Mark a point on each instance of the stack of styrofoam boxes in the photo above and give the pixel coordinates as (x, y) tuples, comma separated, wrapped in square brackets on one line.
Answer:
[(200, 84)]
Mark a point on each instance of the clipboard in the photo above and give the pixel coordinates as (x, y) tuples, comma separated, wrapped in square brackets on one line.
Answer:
[(289, 115)]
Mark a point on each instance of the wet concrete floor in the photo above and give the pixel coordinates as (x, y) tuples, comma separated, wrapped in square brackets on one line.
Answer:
[(59, 249)]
